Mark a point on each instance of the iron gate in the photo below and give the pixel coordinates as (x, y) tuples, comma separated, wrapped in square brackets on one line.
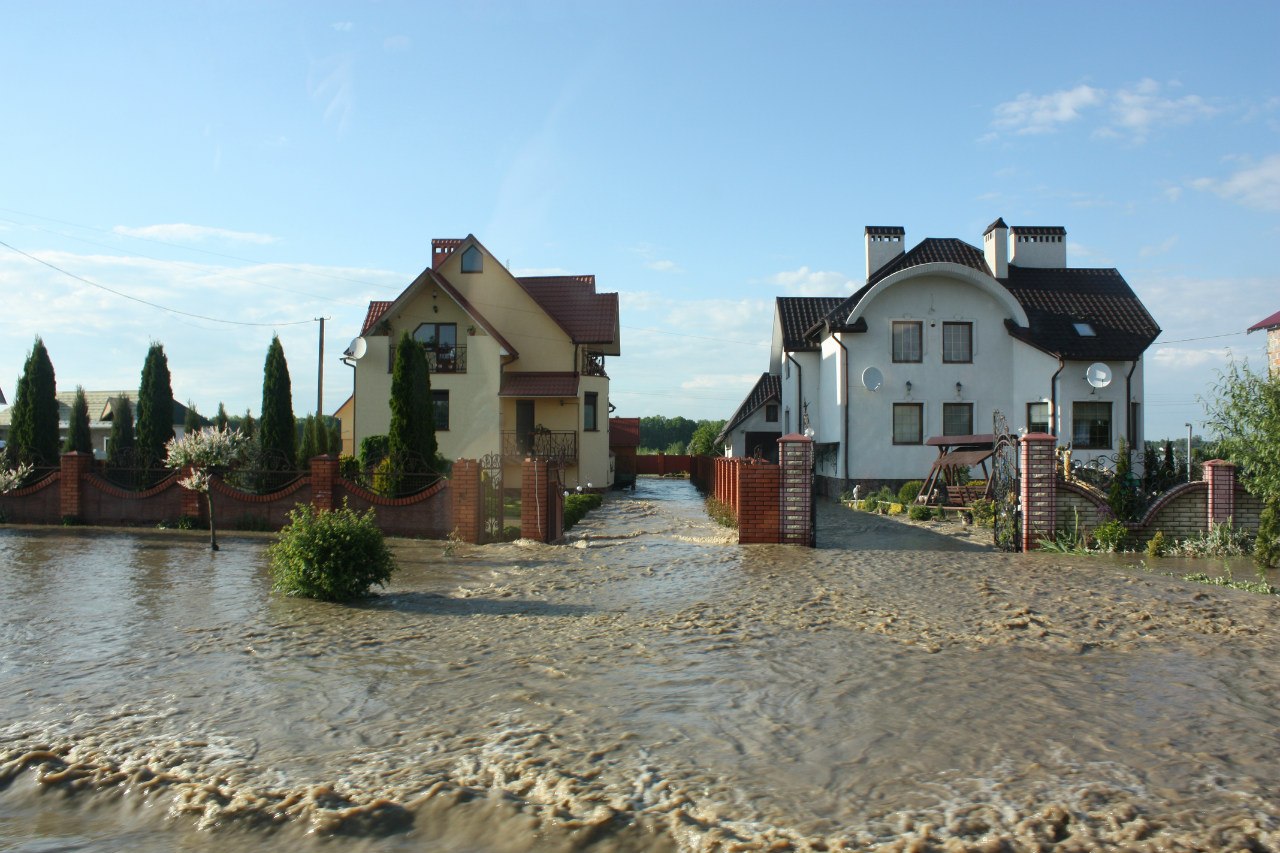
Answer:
[(1007, 524), (491, 497)]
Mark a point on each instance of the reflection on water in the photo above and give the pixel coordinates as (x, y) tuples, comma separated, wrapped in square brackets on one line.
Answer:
[(648, 686)]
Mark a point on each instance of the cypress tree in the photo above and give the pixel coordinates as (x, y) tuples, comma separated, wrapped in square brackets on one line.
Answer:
[(192, 422), (78, 438), (120, 446), (248, 426), (412, 441), (33, 428), (220, 420), (307, 447), (276, 425), (155, 407)]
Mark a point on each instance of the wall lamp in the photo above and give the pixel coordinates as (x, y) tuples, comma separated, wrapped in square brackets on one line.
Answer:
[(959, 390), (908, 387)]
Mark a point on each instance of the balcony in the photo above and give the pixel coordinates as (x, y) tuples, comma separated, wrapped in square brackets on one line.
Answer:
[(593, 364), (560, 445), (439, 359)]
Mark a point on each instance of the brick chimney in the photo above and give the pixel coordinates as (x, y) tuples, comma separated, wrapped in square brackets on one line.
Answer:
[(995, 245), (442, 248), (884, 243), (1039, 246)]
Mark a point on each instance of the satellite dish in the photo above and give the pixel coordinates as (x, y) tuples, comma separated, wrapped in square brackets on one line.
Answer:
[(872, 379), (1098, 375), (357, 349)]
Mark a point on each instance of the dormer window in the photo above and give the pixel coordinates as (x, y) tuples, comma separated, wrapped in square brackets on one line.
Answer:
[(1084, 330), (472, 260)]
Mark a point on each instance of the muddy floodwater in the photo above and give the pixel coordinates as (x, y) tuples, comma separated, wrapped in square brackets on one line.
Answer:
[(648, 686)]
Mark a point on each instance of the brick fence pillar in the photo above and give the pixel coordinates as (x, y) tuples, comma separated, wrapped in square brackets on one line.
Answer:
[(71, 484), (795, 494), (324, 482), (1039, 488), (539, 495), (1221, 477), (757, 487), (468, 500)]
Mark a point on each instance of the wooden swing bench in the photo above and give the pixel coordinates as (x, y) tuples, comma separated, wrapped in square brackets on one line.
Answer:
[(948, 485)]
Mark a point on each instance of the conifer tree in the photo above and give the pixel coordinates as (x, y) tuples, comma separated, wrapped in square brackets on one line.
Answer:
[(78, 438), (155, 406), (276, 426), (120, 447), (412, 440), (307, 447), (192, 422), (33, 425), (248, 426), (220, 420)]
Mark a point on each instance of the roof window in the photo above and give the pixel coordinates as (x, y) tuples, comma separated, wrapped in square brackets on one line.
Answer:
[(1084, 330), (472, 260)]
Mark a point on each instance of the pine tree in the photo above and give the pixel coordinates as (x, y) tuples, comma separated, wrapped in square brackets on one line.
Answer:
[(78, 438), (276, 425), (120, 447), (412, 440), (220, 420), (33, 427), (307, 447), (155, 407), (248, 426), (192, 422)]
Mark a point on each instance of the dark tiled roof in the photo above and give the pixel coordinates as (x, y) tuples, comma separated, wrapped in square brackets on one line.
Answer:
[(1270, 322), (624, 432), (999, 223), (768, 387), (571, 300), (539, 384), (1039, 230), (1055, 299), (885, 230), (798, 314), (376, 310)]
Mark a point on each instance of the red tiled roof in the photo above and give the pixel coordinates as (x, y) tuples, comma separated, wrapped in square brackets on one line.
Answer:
[(571, 300), (624, 432), (376, 309), (539, 384), (1270, 322)]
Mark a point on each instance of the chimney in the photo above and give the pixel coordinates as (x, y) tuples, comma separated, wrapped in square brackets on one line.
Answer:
[(442, 248), (884, 243), (995, 245), (1039, 246)]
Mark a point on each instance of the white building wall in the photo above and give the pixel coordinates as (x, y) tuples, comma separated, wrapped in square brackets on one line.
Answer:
[(755, 422)]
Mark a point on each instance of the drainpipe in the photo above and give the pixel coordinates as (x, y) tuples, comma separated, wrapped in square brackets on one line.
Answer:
[(1053, 397), (799, 390), (1128, 403), (845, 417)]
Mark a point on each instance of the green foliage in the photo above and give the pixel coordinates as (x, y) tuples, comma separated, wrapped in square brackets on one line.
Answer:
[(919, 512), (721, 513), (330, 555), (675, 448), (385, 479), (1266, 548), (247, 426), (1109, 536), (984, 512), (220, 420), (1259, 586), (1122, 496), (78, 438), (373, 449), (909, 492), (155, 405), (703, 441), (121, 442), (578, 505), (276, 426), (349, 468), (308, 444), (33, 425), (193, 421), (1156, 545), (1245, 415), (1066, 540), (658, 431), (412, 440), (1221, 540)]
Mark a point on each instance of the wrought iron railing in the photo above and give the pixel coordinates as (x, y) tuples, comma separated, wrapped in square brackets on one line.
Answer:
[(134, 470), (1136, 490), (561, 445), (439, 359), (593, 364)]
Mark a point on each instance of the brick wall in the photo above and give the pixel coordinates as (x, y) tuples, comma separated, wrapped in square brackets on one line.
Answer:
[(661, 464), (757, 500), (1039, 488), (467, 500), (541, 501)]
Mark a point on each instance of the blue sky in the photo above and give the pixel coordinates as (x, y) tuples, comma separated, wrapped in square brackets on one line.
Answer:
[(273, 163)]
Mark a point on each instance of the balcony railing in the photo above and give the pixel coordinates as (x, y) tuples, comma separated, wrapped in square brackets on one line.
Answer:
[(561, 445), (593, 364), (439, 359)]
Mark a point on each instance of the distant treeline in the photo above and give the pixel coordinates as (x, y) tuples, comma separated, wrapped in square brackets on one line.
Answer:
[(679, 435)]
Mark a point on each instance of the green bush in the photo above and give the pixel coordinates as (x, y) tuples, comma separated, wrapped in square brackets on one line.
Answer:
[(1109, 535), (721, 513), (919, 512), (330, 555), (373, 449), (578, 505), (1266, 548), (909, 492), (1156, 545), (984, 512)]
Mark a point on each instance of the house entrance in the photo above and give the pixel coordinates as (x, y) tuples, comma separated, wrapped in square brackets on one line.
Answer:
[(524, 425)]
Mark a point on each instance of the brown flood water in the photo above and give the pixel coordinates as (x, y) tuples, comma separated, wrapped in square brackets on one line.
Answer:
[(647, 687)]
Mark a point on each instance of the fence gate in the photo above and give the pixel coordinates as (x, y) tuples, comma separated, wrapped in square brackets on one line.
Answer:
[(1004, 486), (491, 497)]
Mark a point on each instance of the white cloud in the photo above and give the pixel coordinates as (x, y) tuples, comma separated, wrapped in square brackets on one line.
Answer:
[(1030, 113), (342, 26), (806, 282), (720, 381), (1256, 185), (331, 83), (664, 266), (1131, 112), (1180, 358), (1143, 106), (1161, 248), (181, 232)]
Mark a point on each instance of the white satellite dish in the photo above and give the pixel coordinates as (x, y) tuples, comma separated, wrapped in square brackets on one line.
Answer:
[(357, 349), (872, 379), (1098, 375)]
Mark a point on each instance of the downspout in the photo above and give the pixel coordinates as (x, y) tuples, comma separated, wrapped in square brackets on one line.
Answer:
[(845, 418), (1128, 405), (799, 391), (1053, 398), (355, 450)]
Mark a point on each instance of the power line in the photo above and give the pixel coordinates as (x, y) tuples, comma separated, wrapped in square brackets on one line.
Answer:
[(143, 301)]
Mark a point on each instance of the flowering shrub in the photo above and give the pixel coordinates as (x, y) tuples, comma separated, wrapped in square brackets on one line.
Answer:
[(10, 480), (204, 450)]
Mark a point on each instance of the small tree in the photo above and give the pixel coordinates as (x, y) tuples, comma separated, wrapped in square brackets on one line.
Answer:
[(120, 447), (192, 421), (307, 447), (155, 406), (33, 425), (248, 426), (330, 555), (78, 438), (412, 439), (1122, 496), (276, 425), (205, 451), (220, 420), (704, 442)]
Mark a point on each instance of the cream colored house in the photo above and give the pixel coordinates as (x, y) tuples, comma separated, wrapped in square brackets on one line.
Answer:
[(517, 364)]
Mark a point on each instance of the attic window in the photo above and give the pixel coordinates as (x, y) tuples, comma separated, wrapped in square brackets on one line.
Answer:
[(472, 260), (1084, 330)]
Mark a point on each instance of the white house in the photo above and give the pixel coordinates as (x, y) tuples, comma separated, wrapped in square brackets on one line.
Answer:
[(942, 336)]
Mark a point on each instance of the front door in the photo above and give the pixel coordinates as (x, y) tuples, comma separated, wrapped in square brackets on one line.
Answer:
[(524, 425)]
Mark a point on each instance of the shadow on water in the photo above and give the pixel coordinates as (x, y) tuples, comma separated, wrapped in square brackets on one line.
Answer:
[(434, 604), (852, 530)]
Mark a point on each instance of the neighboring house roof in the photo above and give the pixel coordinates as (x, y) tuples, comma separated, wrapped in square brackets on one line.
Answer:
[(376, 309), (1270, 323), (587, 317), (798, 314), (1054, 300), (624, 432), (99, 407), (539, 384), (768, 387)]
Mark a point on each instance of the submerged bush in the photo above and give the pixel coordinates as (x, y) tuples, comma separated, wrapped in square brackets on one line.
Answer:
[(1109, 535), (1222, 540), (330, 555), (578, 505), (1156, 546)]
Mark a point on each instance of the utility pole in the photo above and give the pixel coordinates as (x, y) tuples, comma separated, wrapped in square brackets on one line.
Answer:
[(1188, 453), (320, 373)]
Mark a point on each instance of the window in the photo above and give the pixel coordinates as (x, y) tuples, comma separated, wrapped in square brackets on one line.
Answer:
[(1091, 426), (1084, 330), (472, 260), (440, 408), (590, 405), (957, 343), (957, 418), (440, 340), (908, 423), (1037, 417), (771, 413), (906, 340)]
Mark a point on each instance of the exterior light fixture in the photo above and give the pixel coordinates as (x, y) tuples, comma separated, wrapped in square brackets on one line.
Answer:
[(908, 387), (959, 390)]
